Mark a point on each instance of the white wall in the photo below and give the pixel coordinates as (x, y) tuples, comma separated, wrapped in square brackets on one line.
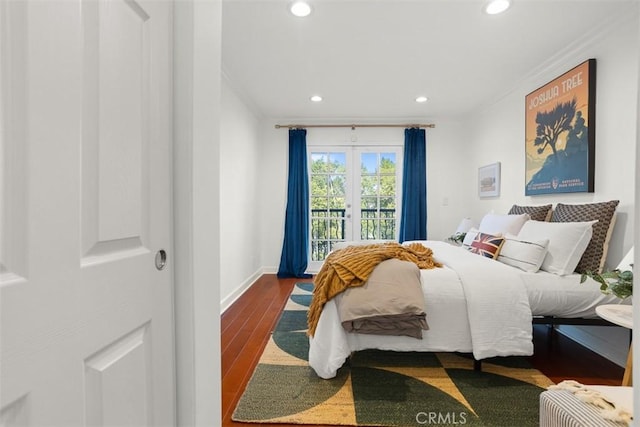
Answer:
[(448, 195), (272, 193), (497, 134), (240, 204)]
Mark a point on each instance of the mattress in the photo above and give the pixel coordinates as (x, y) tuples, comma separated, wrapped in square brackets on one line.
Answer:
[(564, 296)]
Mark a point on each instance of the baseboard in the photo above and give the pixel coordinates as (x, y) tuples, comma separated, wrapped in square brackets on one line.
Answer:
[(608, 341), (226, 302), (274, 270), (270, 270)]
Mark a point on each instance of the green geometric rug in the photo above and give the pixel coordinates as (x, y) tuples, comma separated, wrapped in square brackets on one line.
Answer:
[(383, 388)]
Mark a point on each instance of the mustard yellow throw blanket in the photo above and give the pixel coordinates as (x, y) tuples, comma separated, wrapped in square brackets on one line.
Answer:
[(351, 266)]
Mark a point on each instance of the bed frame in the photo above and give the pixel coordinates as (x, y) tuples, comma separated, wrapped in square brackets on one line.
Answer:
[(553, 321)]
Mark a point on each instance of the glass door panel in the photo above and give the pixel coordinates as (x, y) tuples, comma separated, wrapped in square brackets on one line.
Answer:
[(365, 177), (378, 194), (329, 204)]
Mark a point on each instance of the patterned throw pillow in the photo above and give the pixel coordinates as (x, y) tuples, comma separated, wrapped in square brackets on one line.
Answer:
[(595, 255), (486, 245), (537, 213)]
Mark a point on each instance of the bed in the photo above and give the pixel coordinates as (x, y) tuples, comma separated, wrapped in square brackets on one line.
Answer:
[(475, 304)]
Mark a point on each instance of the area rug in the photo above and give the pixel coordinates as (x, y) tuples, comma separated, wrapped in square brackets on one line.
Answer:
[(380, 388)]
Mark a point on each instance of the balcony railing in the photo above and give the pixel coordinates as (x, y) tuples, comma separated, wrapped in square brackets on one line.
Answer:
[(328, 227)]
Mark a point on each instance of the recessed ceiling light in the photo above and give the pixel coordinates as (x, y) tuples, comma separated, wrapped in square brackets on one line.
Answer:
[(422, 99), (300, 8), (316, 98), (494, 7)]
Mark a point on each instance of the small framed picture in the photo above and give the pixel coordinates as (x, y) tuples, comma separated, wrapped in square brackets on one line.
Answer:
[(489, 180)]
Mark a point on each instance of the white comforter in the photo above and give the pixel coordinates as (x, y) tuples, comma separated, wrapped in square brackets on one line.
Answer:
[(473, 304)]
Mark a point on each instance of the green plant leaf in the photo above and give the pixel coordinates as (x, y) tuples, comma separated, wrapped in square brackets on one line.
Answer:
[(619, 283)]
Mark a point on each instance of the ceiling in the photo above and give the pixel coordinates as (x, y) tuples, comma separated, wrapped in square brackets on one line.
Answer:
[(370, 59)]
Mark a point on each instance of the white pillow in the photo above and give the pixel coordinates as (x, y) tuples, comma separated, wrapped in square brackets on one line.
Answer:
[(526, 255), (496, 224), (470, 237), (567, 243)]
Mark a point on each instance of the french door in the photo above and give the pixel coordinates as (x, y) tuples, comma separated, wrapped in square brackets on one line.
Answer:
[(354, 195)]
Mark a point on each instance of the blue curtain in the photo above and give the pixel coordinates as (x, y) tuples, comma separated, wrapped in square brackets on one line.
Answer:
[(293, 261), (413, 214)]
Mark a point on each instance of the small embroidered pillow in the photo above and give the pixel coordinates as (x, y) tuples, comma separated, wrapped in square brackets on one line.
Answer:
[(526, 255), (487, 245)]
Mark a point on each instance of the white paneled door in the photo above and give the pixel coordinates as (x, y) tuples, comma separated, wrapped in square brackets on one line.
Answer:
[(86, 324)]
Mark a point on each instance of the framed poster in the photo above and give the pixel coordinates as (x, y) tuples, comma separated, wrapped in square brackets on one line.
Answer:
[(489, 180), (560, 133)]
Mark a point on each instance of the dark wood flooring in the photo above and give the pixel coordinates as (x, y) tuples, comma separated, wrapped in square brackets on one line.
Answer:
[(247, 324)]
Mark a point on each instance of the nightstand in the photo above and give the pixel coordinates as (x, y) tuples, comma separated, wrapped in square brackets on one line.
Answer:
[(620, 315)]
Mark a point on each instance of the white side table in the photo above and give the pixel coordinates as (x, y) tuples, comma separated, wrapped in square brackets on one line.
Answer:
[(620, 315)]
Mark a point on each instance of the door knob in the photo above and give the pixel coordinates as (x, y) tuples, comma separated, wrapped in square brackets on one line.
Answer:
[(161, 259)]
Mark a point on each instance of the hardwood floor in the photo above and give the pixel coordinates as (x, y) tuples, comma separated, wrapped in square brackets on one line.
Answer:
[(247, 324)]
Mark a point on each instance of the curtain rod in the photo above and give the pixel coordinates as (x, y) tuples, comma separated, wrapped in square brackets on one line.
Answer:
[(353, 126)]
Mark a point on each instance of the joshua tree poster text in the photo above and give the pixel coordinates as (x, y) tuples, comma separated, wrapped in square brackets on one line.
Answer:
[(560, 133)]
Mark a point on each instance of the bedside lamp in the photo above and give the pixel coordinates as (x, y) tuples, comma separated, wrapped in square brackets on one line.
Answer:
[(465, 225), (460, 233)]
